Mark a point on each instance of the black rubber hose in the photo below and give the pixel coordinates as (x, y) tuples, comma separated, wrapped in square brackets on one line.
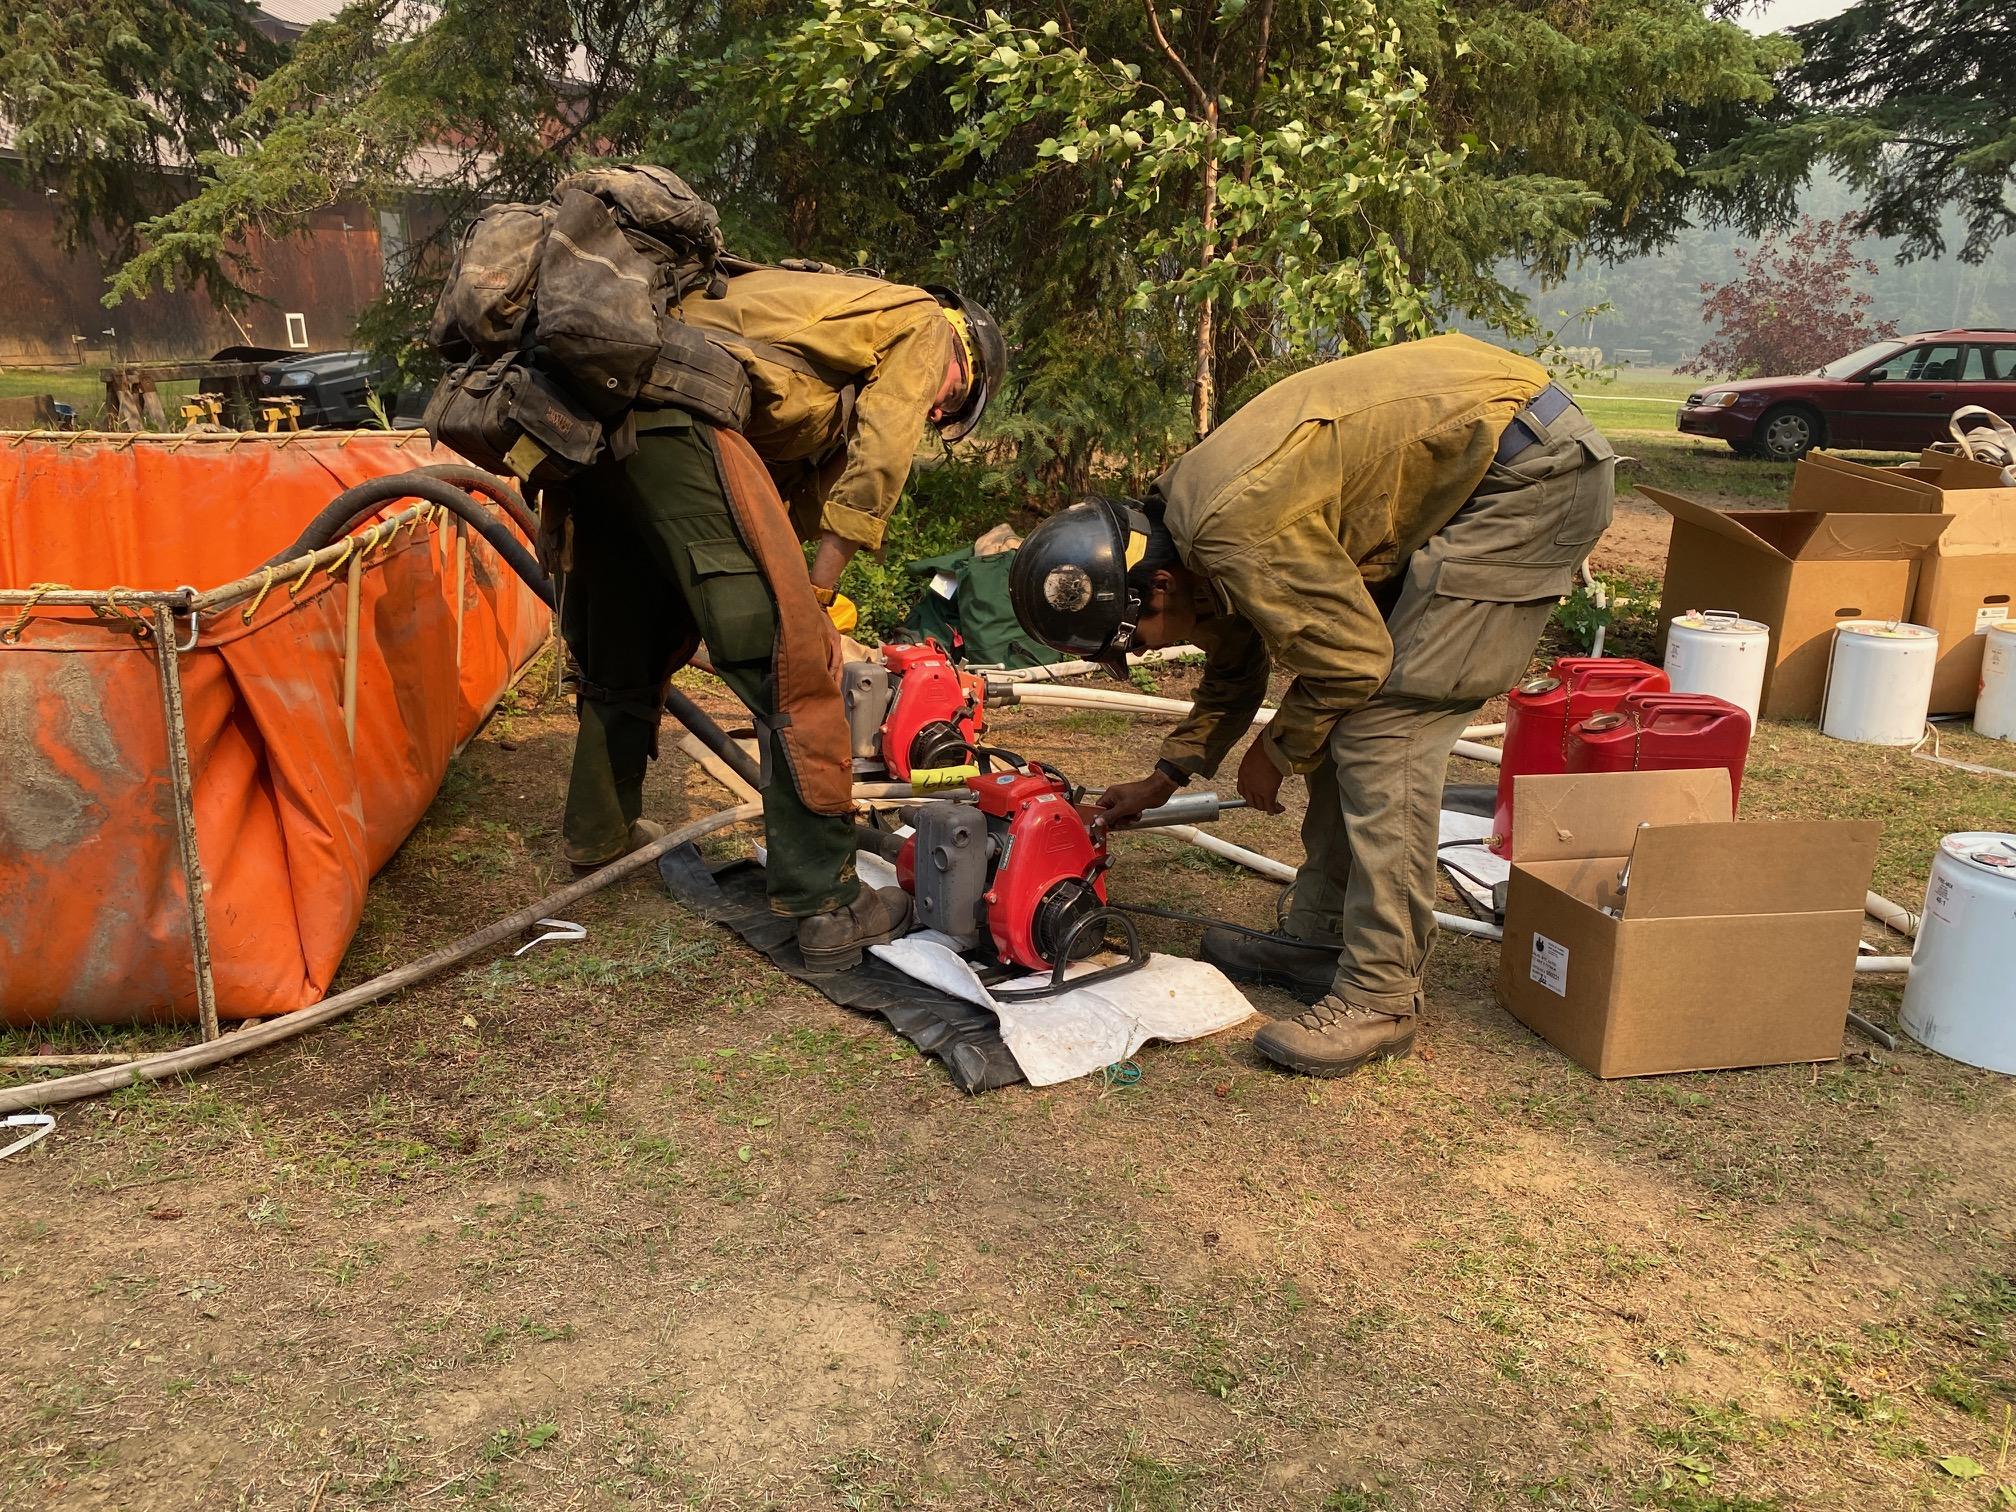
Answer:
[(367, 498), (712, 736), (472, 479)]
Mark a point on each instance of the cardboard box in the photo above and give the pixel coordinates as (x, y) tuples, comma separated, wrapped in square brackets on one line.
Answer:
[(1737, 941), (1800, 572), (1967, 581)]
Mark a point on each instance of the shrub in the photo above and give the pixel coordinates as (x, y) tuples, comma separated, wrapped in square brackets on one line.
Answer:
[(947, 506), (1629, 613)]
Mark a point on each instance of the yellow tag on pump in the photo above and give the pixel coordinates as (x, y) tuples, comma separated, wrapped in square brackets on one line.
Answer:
[(1137, 548), (937, 779)]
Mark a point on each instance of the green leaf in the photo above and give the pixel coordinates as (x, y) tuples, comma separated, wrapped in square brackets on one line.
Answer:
[(541, 1435), (1960, 1467), (1068, 153), (745, 1154)]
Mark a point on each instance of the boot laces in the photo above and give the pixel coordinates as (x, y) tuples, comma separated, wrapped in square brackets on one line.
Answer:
[(1332, 1012)]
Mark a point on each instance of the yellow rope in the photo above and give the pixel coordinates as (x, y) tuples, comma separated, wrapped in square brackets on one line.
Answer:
[(115, 610), (35, 592), (257, 599), (307, 572), (349, 550)]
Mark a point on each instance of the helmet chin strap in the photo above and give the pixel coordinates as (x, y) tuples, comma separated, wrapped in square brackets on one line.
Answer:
[(1121, 641)]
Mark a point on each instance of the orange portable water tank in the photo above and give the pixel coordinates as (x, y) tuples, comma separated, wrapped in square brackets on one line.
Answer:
[(318, 709)]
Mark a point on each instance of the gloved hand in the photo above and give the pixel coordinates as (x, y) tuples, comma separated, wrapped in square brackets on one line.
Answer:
[(843, 613)]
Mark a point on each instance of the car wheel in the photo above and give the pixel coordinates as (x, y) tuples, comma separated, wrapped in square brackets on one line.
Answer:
[(1786, 434)]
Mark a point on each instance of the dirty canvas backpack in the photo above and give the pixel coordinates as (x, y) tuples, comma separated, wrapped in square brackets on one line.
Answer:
[(572, 306)]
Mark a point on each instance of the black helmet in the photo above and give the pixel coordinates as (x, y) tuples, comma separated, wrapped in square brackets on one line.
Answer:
[(1068, 581), (989, 351)]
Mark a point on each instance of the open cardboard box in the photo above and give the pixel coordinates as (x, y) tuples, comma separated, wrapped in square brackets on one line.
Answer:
[(1968, 579), (1800, 572), (1736, 945)]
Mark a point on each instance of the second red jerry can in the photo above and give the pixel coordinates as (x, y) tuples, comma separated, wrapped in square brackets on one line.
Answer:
[(1663, 732)]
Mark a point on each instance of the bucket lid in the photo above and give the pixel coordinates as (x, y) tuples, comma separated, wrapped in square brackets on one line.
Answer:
[(1986, 849), (1887, 629), (1720, 621)]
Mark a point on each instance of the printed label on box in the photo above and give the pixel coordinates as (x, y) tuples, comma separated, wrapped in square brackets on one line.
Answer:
[(1990, 615), (1550, 965)]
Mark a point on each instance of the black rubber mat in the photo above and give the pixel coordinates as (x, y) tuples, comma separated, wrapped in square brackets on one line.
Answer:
[(965, 1037)]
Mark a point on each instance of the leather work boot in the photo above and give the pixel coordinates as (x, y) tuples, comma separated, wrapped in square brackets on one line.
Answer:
[(642, 833), (1335, 1038), (833, 941), (1305, 970)]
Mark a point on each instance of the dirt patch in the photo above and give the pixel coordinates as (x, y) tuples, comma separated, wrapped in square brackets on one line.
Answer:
[(635, 1222)]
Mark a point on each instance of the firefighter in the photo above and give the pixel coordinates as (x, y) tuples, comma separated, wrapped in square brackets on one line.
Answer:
[(678, 542), (1391, 531), (847, 372)]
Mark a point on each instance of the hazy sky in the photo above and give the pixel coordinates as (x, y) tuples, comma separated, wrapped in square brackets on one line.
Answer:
[(1775, 15)]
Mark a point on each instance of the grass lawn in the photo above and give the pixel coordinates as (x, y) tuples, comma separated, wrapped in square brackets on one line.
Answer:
[(83, 388), (639, 1223)]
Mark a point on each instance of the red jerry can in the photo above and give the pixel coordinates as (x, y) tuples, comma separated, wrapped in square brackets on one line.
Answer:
[(1540, 711), (1664, 732)]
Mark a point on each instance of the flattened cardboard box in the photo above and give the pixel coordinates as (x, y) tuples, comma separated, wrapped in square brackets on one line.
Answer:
[(1801, 573), (1737, 942), (1968, 579)]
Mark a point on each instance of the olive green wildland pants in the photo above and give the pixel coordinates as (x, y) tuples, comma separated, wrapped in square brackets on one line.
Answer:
[(655, 557), (1471, 607)]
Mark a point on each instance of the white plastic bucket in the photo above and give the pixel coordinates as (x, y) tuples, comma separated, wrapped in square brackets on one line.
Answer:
[(1717, 651), (1995, 711), (1961, 997), (1879, 682)]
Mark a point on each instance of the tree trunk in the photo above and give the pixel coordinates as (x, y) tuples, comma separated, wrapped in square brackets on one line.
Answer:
[(1204, 395)]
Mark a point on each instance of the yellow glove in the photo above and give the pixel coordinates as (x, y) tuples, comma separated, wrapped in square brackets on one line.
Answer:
[(843, 614)]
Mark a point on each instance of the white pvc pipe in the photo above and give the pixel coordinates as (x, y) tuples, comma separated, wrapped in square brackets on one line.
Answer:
[(1476, 752), (1882, 965), (1059, 696), (1056, 670), (1281, 871), (1895, 915)]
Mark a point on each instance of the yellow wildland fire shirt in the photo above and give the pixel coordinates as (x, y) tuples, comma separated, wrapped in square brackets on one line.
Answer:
[(1306, 501), (838, 472)]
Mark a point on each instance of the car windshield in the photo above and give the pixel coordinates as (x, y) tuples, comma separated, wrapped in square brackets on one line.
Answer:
[(1854, 362)]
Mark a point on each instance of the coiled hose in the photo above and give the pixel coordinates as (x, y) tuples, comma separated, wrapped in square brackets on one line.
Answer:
[(472, 479), (342, 513)]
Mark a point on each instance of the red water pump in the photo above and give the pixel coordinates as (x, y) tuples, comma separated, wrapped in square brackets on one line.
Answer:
[(913, 711), (1015, 870)]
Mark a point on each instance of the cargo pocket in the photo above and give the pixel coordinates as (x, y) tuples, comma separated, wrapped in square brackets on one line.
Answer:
[(1470, 635), (731, 602), (1595, 482)]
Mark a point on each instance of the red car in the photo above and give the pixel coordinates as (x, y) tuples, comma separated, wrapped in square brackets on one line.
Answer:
[(1893, 396)]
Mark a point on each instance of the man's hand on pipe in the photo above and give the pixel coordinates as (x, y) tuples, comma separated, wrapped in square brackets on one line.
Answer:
[(1124, 802)]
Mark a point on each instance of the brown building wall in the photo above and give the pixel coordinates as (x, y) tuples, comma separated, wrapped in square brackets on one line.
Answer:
[(327, 273)]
